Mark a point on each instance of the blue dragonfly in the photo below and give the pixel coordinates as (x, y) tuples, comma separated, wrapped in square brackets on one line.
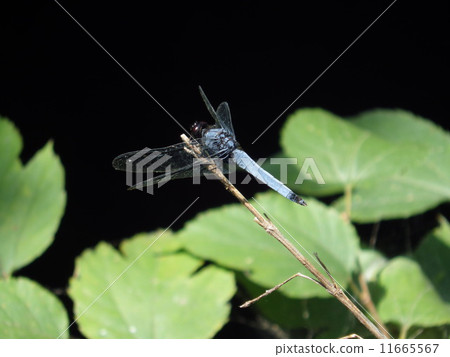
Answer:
[(216, 141)]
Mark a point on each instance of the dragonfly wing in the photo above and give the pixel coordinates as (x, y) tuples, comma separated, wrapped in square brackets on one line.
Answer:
[(185, 172), (208, 105), (167, 176), (155, 160), (224, 117)]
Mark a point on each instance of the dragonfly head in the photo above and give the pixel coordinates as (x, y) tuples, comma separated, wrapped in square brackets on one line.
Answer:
[(197, 129)]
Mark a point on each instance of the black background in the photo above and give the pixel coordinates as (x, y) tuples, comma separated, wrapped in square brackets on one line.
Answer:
[(57, 83)]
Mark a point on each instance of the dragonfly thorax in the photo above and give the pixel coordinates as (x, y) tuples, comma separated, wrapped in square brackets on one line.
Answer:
[(219, 142)]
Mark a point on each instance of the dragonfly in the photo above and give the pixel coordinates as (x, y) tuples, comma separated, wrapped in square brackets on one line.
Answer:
[(216, 141)]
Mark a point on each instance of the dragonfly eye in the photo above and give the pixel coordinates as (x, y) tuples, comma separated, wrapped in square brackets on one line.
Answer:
[(197, 128)]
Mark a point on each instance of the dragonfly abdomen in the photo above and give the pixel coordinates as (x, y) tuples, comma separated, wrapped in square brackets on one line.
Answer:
[(248, 164)]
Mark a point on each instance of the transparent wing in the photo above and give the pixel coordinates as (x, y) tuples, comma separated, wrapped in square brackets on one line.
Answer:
[(222, 117), (208, 105), (167, 163), (184, 172), (156, 160)]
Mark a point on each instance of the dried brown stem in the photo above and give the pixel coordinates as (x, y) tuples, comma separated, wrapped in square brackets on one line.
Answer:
[(276, 287), (272, 230)]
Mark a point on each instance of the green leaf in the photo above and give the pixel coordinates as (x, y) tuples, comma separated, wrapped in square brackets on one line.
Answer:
[(10, 147), (371, 262), (160, 244), (422, 185), (379, 160), (403, 127), (27, 310), (229, 237), (409, 298), (147, 293), (345, 154), (433, 256), (32, 200)]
